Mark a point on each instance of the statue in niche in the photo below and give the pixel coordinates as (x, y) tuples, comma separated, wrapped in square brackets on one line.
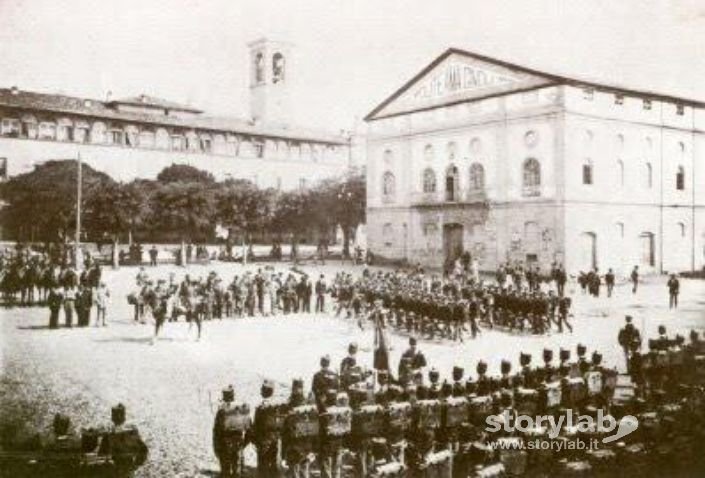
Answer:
[(259, 68), (278, 64)]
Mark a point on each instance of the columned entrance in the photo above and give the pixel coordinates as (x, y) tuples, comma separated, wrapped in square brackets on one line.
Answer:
[(452, 242)]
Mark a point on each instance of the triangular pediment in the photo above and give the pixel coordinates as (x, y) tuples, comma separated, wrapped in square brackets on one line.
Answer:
[(458, 76)]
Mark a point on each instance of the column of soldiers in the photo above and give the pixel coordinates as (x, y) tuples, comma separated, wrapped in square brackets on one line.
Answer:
[(435, 307), (262, 293), (358, 423)]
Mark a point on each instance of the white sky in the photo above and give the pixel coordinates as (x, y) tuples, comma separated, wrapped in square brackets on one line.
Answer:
[(350, 54)]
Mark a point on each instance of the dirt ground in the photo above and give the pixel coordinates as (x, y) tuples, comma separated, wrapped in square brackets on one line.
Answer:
[(171, 388)]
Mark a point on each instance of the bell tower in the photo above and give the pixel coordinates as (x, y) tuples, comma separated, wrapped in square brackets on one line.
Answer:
[(270, 76)]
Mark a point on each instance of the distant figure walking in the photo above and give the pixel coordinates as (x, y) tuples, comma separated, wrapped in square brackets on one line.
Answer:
[(609, 282), (674, 286), (635, 279)]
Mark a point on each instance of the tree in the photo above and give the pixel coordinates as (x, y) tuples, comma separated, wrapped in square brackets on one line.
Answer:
[(293, 213), (183, 210), (240, 205), (184, 173), (346, 200), (41, 205)]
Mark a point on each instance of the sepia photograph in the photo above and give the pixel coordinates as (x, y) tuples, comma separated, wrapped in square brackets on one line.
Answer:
[(352, 239)]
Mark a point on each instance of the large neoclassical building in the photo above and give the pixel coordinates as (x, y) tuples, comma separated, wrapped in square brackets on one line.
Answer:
[(508, 163), (139, 136)]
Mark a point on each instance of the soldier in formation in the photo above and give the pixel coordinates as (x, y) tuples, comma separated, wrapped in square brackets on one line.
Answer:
[(420, 424), (449, 307)]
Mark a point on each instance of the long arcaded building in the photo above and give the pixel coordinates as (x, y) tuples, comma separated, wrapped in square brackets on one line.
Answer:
[(139, 136)]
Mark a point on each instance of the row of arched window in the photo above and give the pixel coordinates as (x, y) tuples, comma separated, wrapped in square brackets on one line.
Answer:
[(531, 180), (142, 136), (476, 178), (647, 176)]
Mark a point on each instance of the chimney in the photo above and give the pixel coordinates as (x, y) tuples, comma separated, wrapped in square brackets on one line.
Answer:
[(108, 96), (14, 90)]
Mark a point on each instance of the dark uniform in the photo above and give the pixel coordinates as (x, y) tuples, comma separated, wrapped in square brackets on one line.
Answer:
[(267, 428), (232, 423)]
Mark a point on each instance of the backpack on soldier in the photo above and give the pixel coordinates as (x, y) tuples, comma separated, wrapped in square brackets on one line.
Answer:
[(237, 418), (526, 401), (368, 421), (399, 416), (303, 422), (338, 421), (275, 413), (480, 407), (428, 413), (593, 380), (455, 411), (553, 394)]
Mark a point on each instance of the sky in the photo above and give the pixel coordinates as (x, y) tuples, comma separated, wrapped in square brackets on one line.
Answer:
[(349, 55)]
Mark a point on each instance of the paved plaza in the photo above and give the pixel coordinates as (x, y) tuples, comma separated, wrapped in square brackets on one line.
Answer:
[(171, 388)]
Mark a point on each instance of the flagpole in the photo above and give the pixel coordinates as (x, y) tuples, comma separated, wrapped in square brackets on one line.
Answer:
[(79, 181)]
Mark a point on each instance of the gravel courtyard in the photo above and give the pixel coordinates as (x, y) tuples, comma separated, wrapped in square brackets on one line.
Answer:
[(171, 388)]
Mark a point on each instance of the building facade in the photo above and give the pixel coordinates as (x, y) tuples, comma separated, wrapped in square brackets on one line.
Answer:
[(508, 163), (138, 137)]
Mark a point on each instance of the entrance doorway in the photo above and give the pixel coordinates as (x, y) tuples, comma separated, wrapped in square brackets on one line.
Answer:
[(587, 259), (452, 242), (647, 249)]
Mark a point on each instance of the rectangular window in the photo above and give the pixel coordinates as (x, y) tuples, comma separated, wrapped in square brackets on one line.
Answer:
[(64, 133), (259, 150), (10, 127), (618, 99), (680, 181), (81, 135), (47, 131), (680, 110), (206, 145), (647, 104), (177, 143), (589, 93), (132, 139), (29, 130), (3, 169), (116, 137), (587, 174)]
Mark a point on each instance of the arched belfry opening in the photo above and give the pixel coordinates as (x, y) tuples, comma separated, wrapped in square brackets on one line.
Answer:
[(271, 67)]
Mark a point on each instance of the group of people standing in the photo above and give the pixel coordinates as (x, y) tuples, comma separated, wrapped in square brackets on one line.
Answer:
[(29, 277)]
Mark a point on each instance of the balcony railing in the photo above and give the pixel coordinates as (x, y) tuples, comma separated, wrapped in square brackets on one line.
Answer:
[(443, 197)]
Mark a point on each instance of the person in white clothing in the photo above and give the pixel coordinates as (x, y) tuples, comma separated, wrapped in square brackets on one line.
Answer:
[(102, 300)]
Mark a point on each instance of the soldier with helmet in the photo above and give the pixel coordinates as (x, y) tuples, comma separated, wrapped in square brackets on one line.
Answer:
[(336, 426), (300, 432), (629, 338), (232, 423), (267, 429), (417, 359), (323, 381)]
